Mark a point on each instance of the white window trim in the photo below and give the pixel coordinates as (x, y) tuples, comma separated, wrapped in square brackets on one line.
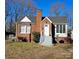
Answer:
[(66, 28), (55, 28), (24, 32), (28, 30), (61, 34), (59, 28)]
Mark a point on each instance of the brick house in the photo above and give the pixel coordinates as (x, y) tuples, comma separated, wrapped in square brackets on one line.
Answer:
[(51, 27)]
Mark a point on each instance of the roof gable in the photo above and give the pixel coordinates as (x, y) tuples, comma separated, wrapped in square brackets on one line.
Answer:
[(25, 19), (47, 19)]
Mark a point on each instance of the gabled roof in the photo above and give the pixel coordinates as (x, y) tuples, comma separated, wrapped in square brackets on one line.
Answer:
[(43, 18), (31, 18), (58, 19), (47, 19), (25, 19)]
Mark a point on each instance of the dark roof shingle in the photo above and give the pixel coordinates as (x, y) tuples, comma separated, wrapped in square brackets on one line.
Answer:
[(58, 19)]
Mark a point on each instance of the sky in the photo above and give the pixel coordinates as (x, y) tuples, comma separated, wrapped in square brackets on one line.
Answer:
[(44, 5)]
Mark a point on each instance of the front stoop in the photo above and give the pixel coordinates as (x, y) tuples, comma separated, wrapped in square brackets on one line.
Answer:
[(46, 41)]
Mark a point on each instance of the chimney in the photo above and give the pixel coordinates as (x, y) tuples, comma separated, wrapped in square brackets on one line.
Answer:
[(38, 21), (38, 17)]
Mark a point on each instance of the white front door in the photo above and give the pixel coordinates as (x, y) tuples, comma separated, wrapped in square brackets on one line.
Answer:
[(46, 29)]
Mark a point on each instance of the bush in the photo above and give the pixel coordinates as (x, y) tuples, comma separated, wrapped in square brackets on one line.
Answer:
[(36, 36), (69, 40)]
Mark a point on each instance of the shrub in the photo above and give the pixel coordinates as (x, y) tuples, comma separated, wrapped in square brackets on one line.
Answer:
[(36, 36), (69, 40), (61, 41)]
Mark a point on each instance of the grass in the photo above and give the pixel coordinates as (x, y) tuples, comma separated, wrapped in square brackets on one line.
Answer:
[(24, 50)]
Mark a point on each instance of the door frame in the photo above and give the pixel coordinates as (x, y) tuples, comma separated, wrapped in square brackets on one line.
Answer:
[(46, 30)]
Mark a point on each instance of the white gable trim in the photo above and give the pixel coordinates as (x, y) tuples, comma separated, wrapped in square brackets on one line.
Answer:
[(25, 19), (47, 19)]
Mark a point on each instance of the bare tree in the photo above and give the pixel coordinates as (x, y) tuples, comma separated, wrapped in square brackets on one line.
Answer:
[(54, 11), (21, 8), (7, 14)]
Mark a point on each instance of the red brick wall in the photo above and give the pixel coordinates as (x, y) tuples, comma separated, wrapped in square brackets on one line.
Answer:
[(38, 21), (35, 27), (20, 35)]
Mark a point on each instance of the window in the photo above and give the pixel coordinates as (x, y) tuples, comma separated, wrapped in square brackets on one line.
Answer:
[(45, 25), (63, 28), (57, 28), (23, 29), (60, 28), (28, 29)]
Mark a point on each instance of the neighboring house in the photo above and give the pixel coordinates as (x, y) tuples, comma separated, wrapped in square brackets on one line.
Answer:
[(47, 26)]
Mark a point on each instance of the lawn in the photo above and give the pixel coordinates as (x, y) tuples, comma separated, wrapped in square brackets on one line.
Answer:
[(24, 50)]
